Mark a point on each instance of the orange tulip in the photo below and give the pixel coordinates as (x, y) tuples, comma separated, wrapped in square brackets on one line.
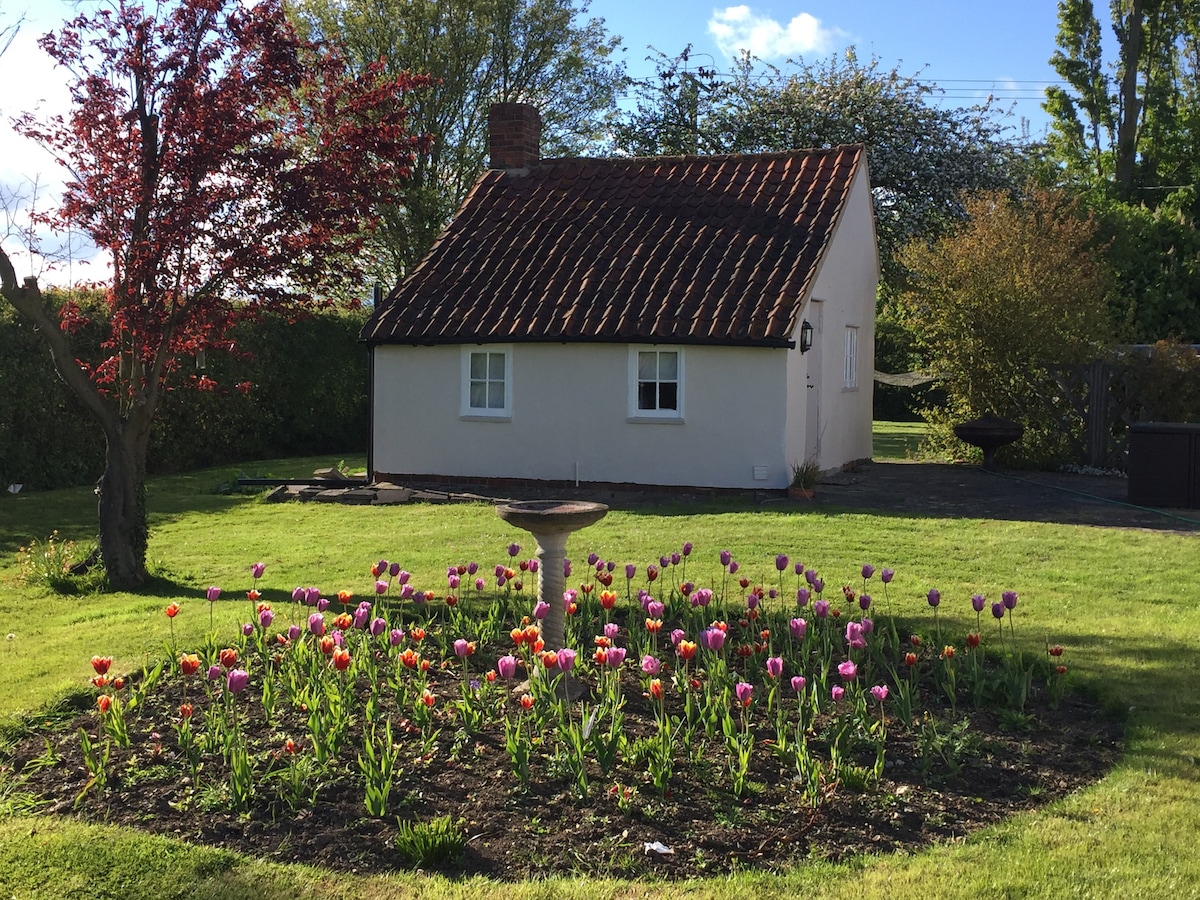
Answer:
[(185, 710), (172, 610), (189, 664), (341, 659), (608, 599), (428, 697), (104, 702), (687, 649), (526, 702), (328, 645), (229, 657), (343, 621), (101, 664), (656, 688)]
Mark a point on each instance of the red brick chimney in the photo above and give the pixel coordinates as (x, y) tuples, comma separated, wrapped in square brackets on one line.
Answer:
[(514, 136)]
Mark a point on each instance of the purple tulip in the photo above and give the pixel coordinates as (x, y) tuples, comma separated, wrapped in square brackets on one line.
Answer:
[(798, 627), (867, 570), (378, 626), (848, 670), (257, 569), (462, 647), (615, 656), (402, 576), (610, 566), (712, 639), (675, 558), (998, 610), (514, 549), (651, 665), (311, 596), (687, 548), (774, 666), (798, 568), (733, 567), (664, 561), (821, 608), (566, 659), (533, 566), (802, 595), (593, 558), (406, 592), (772, 593), (676, 636), (934, 597), (752, 601), (472, 567), (726, 557), (701, 597), (837, 692), (479, 584), (298, 594), (265, 617), (854, 636), (798, 683), (566, 568), (781, 562), (293, 632), (213, 593), (569, 597), (630, 571), (864, 602), (655, 609), (810, 576), (887, 575), (1009, 599), (879, 692), (382, 565), (322, 604), (236, 680), (506, 667), (247, 629), (818, 584), (339, 639), (977, 602), (214, 672), (541, 609), (395, 637), (421, 596), (611, 630), (867, 625), (743, 692), (362, 616), (453, 581), (316, 624)]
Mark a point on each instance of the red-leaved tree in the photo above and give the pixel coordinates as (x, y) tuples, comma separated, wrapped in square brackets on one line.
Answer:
[(226, 167)]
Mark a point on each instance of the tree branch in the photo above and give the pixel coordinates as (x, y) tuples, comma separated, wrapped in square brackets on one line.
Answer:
[(27, 300)]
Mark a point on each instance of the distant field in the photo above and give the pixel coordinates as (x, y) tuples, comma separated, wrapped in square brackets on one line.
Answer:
[(897, 440)]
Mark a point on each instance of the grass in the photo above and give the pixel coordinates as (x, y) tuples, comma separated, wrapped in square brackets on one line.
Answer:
[(897, 440), (1121, 601)]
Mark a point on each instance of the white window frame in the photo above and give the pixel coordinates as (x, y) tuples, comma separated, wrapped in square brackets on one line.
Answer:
[(637, 414), (850, 361), (489, 413)]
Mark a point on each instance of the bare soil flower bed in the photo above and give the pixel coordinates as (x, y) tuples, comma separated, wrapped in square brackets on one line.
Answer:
[(942, 781)]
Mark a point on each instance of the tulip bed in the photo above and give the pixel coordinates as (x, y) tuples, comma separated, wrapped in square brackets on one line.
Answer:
[(687, 726)]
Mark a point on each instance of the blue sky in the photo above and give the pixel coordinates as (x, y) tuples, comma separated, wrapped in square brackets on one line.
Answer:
[(971, 50)]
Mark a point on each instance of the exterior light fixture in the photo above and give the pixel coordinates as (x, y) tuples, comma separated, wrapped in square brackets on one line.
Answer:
[(806, 336)]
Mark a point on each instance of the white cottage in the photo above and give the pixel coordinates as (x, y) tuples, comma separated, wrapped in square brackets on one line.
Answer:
[(699, 321)]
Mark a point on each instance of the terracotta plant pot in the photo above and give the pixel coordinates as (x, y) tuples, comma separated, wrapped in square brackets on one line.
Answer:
[(799, 493)]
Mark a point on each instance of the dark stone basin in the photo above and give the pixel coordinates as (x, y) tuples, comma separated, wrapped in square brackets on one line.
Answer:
[(551, 516), (989, 433)]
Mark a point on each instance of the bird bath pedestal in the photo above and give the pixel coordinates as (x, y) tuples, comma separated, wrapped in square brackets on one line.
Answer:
[(551, 522), (989, 433)]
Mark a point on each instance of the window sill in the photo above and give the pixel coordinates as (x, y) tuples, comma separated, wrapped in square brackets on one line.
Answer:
[(849, 389), (654, 420), (475, 417)]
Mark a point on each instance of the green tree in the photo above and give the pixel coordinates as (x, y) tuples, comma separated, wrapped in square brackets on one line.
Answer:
[(1021, 284), (922, 157), (477, 52)]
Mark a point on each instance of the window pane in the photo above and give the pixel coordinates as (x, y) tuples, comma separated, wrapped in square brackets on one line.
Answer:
[(668, 392), (496, 366), (479, 362), (646, 395), (647, 367), (668, 367), (479, 395), (496, 395)]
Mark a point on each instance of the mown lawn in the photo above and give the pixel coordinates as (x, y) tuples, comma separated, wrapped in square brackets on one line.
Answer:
[(1124, 603)]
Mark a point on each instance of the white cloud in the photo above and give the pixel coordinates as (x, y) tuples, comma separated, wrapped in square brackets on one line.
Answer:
[(737, 28)]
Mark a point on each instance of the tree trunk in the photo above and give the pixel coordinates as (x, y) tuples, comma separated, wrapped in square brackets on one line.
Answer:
[(122, 501)]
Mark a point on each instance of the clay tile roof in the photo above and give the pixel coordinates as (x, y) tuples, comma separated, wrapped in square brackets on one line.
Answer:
[(701, 249)]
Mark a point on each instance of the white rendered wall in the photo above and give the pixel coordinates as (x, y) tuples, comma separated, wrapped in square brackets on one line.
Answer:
[(570, 418), (846, 285)]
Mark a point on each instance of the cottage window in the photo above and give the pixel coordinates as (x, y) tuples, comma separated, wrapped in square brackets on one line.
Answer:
[(487, 382), (850, 368), (656, 388)]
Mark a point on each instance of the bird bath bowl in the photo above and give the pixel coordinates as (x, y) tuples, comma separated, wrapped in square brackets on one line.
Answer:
[(551, 522), (989, 433)]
